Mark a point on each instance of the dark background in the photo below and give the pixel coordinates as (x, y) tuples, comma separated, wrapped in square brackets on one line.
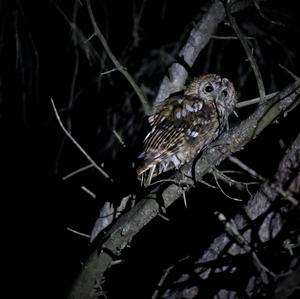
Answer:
[(39, 56)]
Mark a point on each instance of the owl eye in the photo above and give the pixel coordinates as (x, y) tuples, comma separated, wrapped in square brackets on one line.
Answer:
[(224, 93), (208, 88)]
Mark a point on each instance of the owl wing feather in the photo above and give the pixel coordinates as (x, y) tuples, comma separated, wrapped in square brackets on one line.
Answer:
[(164, 138), (174, 122), (183, 125)]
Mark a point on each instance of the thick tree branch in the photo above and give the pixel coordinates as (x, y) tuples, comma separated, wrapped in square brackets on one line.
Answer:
[(128, 225), (198, 39), (242, 233), (260, 202)]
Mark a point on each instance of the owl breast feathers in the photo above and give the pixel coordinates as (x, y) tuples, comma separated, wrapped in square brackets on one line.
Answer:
[(182, 126)]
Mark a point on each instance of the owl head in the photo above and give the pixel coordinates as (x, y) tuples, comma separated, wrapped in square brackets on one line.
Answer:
[(213, 87)]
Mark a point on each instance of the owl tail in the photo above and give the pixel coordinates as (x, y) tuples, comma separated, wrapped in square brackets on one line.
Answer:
[(146, 176), (147, 169)]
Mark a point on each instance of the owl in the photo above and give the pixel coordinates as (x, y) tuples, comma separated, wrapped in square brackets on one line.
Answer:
[(183, 125)]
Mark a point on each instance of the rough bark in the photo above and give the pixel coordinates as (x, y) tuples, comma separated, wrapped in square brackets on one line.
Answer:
[(128, 225)]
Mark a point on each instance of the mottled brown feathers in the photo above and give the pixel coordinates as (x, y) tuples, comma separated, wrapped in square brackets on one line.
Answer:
[(181, 126)]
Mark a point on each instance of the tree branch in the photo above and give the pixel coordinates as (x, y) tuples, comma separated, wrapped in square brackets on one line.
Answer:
[(128, 225), (242, 233), (77, 144), (117, 64), (198, 39), (259, 81), (260, 202)]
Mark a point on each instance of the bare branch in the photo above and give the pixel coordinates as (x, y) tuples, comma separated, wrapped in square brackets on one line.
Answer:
[(128, 225), (260, 84), (229, 37), (199, 37), (261, 201), (288, 71), (197, 40), (246, 168), (119, 138), (221, 189), (77, 171), (78, 233), (77, 144), (256, 100), (117, 64), (239, 229), (89, 192)]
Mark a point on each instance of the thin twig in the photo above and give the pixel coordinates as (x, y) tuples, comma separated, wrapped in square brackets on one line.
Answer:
[(119, 138), (164, 276), (184, 199), (136, 28), (89, 192), (77, 232), (259, 81), (232, 228), (229, 37), (77, 144), (83, 39), (114, 60), (246, 168), (230, 181), (89, 38), (257, 6), (110, 71), (253, 173), (161, 281), (289, 72), (77, 171), (221, 189), (255, 100)]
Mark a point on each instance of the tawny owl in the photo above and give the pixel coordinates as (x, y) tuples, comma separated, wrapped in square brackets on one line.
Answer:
[(183, 125)]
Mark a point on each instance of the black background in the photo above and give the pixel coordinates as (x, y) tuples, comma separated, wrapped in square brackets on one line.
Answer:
[(39, 206)]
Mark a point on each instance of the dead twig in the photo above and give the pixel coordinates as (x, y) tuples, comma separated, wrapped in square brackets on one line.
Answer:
[(89, 192), (233, 230), (220, 188), (246, 168), (119, 138), (115, 61), (198, 39), (255, 100), (259, 81), (77, 144), (288, 71), (78, 233), (77, 171)]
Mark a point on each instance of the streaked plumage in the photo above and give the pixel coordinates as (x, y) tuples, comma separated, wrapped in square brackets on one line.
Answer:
[(182, 125)]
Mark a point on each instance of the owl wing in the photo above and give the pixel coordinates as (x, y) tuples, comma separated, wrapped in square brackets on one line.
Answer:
[(165, 136), (175, 122)]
